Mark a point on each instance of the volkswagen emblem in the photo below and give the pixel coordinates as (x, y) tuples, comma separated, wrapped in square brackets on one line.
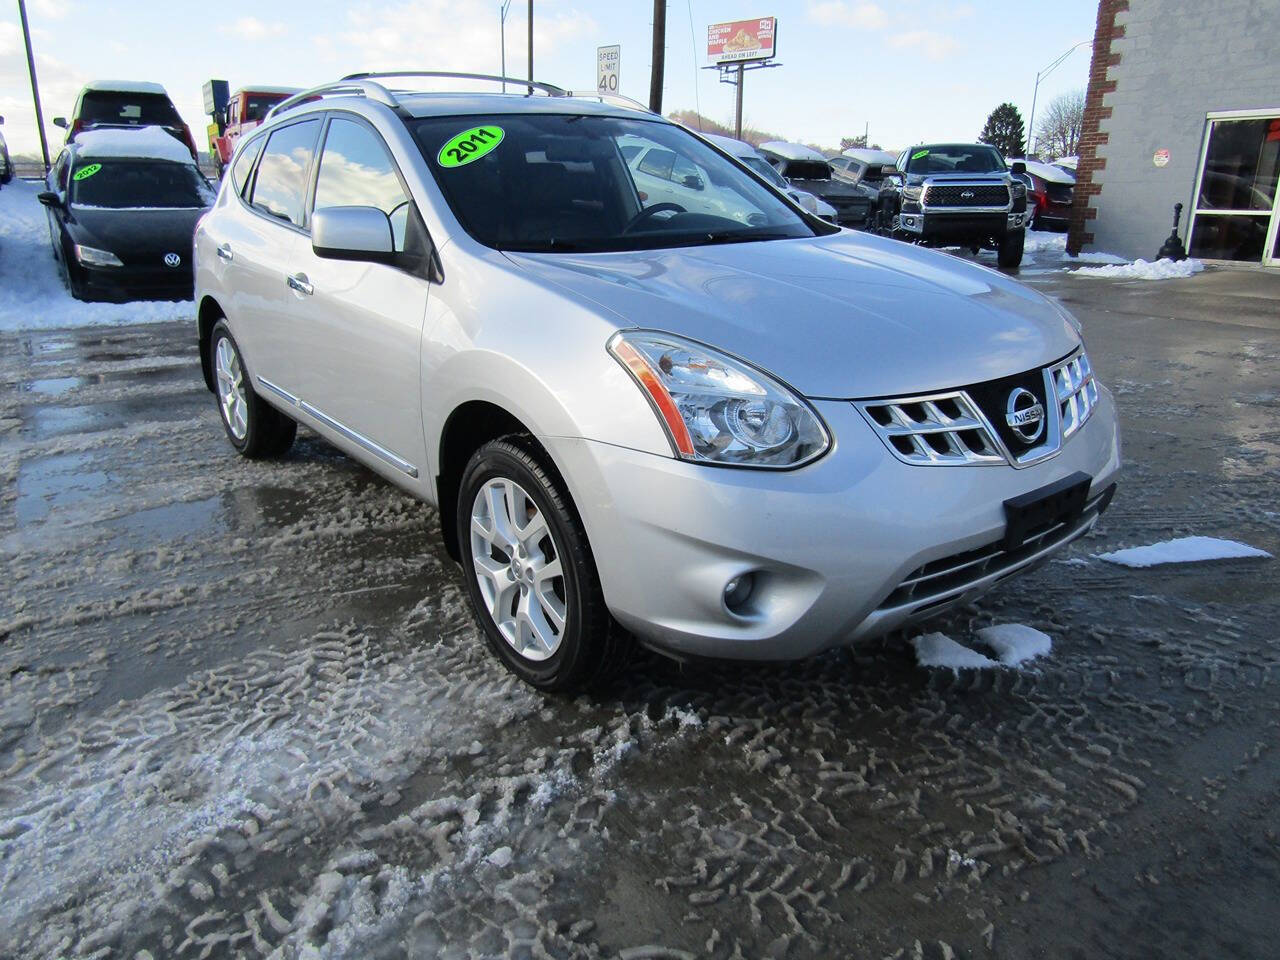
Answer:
[(172, 260), (1025, 415), (967, 195)]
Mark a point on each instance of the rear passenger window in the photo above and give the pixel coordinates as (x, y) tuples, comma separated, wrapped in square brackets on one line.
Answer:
[(356, 171), (280, 187), (242, 164)]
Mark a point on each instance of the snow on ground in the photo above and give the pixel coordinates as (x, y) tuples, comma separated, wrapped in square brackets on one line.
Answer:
[(1182, 550), (32, 294), (1012, 643), (1142, 270), (1042, 247)]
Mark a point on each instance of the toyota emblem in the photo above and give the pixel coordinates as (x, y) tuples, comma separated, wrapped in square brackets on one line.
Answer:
[(1025, 415), (172, 260), (967, 195)]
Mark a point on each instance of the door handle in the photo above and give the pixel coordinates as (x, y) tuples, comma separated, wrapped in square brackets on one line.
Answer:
[(299, 282), (224, 252)]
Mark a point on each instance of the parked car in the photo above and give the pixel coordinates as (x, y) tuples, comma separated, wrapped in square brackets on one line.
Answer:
[(639, 423), (1067, 164), (862, 165), (125, 103), (750, 157), (960, 195), (6, 165), (244, 111), (1050, 190), (806, 169), (123, 205), (665, 177)]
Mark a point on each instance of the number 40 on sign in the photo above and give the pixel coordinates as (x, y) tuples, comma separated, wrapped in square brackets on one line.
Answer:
[(608, 61)]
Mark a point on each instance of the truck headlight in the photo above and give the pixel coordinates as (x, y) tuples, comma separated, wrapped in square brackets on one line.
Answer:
[(93, 257), (717, 409), (913, 193), (1019, 189)]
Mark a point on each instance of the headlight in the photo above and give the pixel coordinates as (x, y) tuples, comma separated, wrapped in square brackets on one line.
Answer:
[(913, 193), (93, 257), (717, 409), (1019, 188)]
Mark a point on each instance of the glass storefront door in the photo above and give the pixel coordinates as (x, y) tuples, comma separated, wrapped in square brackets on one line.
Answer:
[(1235, 216)]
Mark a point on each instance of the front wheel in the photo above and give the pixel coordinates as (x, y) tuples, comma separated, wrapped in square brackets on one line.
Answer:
[(530, 574), (1009, 254), (255, 428)]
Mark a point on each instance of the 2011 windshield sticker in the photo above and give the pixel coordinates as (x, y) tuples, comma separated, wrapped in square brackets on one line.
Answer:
[(919, 153), (84, 173), (470, 145)]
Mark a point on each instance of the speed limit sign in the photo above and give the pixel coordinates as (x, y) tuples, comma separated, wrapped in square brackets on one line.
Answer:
[(608, 60)]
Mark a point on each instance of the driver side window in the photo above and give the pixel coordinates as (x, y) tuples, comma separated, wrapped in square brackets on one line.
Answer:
[(356, 171)]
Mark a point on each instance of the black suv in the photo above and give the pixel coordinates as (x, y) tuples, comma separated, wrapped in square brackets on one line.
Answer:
[(956, 195)]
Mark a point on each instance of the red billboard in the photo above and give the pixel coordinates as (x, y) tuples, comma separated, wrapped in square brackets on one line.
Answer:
[(742, 40)]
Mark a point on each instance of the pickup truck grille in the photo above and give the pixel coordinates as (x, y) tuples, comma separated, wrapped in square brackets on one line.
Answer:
[(966, 195)]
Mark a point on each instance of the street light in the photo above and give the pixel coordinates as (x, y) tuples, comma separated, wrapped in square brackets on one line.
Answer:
[(1040, 76), (502, 29)]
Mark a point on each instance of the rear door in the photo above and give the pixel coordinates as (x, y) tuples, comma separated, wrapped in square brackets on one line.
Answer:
[(357, 334)]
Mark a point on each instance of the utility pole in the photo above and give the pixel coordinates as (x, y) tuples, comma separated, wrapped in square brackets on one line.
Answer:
[(35, 87), (530, 47), (660, 56), (1031, 125)]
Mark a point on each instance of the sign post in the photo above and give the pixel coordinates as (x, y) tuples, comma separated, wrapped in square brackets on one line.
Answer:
[(608, 67), (736, 47)]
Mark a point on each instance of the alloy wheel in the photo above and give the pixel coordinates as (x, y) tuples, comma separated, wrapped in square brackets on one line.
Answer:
[(232, 396), (517, 567)]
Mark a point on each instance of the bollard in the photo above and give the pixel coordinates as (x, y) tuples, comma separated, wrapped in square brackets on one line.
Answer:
[(1173, 248)]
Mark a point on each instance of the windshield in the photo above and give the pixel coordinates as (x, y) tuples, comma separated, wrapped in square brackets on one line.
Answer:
[(806, 170), (135, 109), (955, 158), (762, 166), (138, 183), (554, 183)]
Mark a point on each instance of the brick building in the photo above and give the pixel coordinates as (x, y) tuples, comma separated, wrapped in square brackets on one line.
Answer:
[(1183, 106)]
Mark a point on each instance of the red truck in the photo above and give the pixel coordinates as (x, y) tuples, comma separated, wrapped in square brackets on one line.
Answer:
[(237, 114)]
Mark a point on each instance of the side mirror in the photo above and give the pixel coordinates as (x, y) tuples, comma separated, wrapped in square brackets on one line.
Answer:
[(60, 122), (889, 170), (49, 198), (1018, 168), (693, 182), (352, 233)]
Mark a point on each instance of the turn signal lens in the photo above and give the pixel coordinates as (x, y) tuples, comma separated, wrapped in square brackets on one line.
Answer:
[(717, 409)]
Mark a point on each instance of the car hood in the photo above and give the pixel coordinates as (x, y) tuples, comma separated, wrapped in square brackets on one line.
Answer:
[(914, 178), (843, 316), (828, 188), (143, 230)]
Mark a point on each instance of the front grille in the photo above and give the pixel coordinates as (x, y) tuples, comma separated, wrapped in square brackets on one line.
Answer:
[(941, 581), (992, 398), (966, 195), (1077, 393), (940, 429)]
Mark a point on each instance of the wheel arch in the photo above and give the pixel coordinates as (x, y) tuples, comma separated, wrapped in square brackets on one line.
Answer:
[(210, 313)]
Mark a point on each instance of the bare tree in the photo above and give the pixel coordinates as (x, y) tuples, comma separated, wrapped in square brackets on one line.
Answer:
[(1058, 134)]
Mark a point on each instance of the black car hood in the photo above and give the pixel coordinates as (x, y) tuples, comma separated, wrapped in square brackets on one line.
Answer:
[(828, 188), (135, 230)]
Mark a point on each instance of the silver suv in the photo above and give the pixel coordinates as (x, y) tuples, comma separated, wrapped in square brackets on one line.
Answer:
[(754, 436)]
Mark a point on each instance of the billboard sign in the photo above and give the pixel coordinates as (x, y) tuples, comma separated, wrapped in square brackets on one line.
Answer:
[(608, 65), (742, 40)]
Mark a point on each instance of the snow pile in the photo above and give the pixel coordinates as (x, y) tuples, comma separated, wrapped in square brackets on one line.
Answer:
[(1042, 241), (1012, 643), (32, 294), (1182, 550), (1142, 270), (133, 142)]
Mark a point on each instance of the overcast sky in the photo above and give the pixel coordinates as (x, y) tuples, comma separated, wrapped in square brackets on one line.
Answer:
[(913, 70)]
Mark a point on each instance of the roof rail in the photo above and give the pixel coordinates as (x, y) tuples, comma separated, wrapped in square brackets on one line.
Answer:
[(345, 87), (549, 89), (618, 98)]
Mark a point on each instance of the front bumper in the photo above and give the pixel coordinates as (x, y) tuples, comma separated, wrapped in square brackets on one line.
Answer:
[(127, 283), (935, 226), (848, 548)]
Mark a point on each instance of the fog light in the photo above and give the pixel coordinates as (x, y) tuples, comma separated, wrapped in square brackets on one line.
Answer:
[(738, 591), (911, 221)]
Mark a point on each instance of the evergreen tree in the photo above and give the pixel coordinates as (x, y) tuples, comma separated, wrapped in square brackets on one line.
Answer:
[(1004, 131)]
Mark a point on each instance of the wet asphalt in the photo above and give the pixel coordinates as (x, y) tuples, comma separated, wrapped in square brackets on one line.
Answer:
[(244, 710)]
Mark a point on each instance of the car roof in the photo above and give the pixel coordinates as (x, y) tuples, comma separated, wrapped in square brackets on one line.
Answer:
[(264, 88), (133, 143), (124, 86), (792, 151), (735, 148), (868, 155), (418, 104), (1046, 171)]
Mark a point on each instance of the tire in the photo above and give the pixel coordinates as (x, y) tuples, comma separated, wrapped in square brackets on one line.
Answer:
[(515, 607), (255, 428), (1010, 251)]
